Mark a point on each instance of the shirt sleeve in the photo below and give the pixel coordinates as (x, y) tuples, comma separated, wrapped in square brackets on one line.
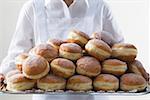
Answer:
[(22, 40), (111, 33)]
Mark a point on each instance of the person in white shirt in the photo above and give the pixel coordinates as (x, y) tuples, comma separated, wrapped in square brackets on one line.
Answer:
[(40, 20)]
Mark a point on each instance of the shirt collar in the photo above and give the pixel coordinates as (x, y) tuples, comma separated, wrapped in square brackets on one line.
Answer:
[(48, 1), (76, 9)]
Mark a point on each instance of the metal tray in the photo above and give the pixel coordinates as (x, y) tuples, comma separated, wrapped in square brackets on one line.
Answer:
[(61, 92)]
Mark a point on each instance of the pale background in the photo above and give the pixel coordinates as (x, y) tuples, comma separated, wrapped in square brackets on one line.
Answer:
[(132, 16)]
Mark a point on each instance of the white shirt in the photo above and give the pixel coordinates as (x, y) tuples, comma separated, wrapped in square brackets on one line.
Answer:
[(40, 20)]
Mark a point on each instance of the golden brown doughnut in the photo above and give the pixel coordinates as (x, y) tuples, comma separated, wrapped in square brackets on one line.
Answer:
[(79, 83), (137, 68), (20, 59), (106, 82), (88, 66), (45, 50), (98, 49), (35, 67), (55, 43), (70, 51), (78, 37), (114, 66), (131, 81), (63, 67), (11, 73), (51, 82), (124, 51), (19, 82)]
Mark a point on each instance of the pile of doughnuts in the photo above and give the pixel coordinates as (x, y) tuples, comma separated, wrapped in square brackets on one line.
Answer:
[(79, 63)]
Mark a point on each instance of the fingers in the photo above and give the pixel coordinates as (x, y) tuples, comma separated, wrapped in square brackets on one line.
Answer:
[(2, 78), (96, 35)]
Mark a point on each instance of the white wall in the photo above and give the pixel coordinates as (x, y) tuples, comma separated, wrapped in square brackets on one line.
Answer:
[(132, 15), (9, 10)]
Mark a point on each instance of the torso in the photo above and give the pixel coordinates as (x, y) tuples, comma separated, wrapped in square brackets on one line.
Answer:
[(80, 16)]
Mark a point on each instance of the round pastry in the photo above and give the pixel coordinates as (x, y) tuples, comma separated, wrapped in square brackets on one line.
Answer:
[(51, 82), (19, 82), (114, 66), (131, 81), (55, 43), (106, 82), (79, 83), (63, 67), (11, 73), (20, 59), (35, 67), (45, 50), (124, 51), (98, 49), (137, 68), (88, 66), (70, 51), (78, 37)]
